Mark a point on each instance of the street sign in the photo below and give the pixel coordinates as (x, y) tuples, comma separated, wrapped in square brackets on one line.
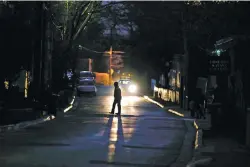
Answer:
[(218, 65)]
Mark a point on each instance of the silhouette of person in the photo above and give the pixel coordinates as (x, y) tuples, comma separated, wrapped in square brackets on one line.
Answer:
[(117, 99)]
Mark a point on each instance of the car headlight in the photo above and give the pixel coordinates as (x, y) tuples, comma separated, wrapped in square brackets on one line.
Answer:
[(132, 88)]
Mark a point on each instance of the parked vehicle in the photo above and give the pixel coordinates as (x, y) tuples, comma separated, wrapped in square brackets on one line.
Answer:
[(102, 78), (86, 75), (86, 86)]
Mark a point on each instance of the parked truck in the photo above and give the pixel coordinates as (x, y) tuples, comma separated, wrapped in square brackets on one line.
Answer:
[(102, 78)]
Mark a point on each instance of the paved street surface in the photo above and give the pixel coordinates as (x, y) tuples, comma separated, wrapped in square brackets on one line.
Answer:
[(144, 135)]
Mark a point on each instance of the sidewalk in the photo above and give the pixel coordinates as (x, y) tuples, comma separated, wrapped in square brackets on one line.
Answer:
[(211, 150), (224, 153), (204, 124), (215, 151), (24, 124), (17, 115), (25, 117)]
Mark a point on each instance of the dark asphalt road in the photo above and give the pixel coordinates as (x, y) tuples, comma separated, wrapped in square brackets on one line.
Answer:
[(144, 135)]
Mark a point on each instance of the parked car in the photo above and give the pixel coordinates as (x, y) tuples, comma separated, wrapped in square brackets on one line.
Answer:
[(86, 86), (86, 75)]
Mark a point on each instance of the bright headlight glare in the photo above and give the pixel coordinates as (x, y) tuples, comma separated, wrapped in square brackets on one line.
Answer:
[(132, 88)]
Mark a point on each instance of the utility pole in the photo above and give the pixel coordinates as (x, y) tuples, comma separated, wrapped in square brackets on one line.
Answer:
[(38, 50), (42, 50), (110, 55), (110, 52), (48, 41), (110, 65), (186, 69), (186, 65)]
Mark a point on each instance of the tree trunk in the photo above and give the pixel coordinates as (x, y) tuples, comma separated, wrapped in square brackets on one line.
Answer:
[(186, 69)]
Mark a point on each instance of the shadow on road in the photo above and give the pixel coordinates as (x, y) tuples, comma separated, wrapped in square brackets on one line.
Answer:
[(115, 136), (87, 95), (120, 129)]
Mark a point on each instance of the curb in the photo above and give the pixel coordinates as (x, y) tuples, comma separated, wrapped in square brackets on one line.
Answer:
[(186, 147), (198, 137), (153, 101), (25, 124), (176, 113), (198, 159), (203, 162), (198, 143), (73, 105), (162, 106)]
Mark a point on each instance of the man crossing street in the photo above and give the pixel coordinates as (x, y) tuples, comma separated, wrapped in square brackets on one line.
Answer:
[(117, 99)]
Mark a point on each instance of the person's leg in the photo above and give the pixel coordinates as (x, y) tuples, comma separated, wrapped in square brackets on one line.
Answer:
[(119, 106), (200, 113), (197, 111), (203, 113), (192, 113), (113, 107)]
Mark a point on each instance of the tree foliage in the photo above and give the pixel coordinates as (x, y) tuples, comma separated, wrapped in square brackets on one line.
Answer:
[(70, 18), (77, 23), (161, 26), (17, 32)]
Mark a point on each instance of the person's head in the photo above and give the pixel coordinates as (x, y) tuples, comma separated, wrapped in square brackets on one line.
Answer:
[(116, 84)]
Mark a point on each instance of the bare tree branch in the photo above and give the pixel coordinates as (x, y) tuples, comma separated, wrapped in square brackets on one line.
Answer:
[(76, 19), (103, 7), (82, 25)]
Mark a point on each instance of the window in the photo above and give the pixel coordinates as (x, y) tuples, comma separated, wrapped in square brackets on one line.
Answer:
[(86, 74), (86, 83)]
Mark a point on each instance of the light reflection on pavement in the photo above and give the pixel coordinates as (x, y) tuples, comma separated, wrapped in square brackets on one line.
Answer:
[(144, 135)]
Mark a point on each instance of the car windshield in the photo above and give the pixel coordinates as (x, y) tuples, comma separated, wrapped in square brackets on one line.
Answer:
[(124, 82), (86, 83), (86, 74)]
